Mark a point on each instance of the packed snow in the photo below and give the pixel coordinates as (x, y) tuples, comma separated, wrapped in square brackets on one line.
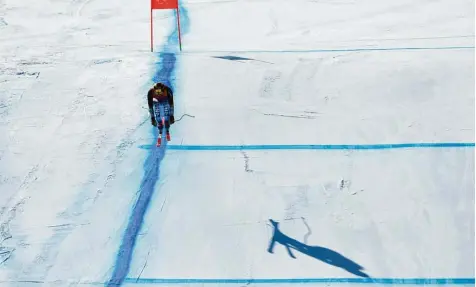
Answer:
[(87, 198)]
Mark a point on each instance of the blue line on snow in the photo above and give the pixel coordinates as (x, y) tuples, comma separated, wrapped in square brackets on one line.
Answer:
[(151, 173), (318, 147), (393, 281), (335, 50)]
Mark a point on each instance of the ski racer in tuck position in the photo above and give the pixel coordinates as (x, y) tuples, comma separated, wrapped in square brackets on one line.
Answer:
[(160, 100)]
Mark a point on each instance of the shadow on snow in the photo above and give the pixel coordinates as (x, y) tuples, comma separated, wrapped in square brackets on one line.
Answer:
[(320, 253)]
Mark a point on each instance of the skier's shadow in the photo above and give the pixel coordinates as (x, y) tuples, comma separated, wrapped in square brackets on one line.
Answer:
[(321, 253)]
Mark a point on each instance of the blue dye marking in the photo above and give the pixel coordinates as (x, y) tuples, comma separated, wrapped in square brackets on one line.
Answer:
[(124, 256), (318, 147), (166, 67), (393, 281), (336, 50)]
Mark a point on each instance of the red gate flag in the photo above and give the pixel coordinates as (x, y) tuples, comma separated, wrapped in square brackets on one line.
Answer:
[(163, 4)]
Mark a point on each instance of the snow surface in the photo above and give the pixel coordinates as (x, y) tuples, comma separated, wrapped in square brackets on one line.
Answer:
[(86, 198)]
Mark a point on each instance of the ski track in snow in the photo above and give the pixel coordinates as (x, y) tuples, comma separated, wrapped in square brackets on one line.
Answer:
[(166, 67)]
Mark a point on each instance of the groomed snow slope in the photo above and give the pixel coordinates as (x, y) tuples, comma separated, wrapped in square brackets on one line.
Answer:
[(86, 197)]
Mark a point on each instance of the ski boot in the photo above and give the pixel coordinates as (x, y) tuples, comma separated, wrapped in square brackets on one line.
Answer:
[(159, 140)]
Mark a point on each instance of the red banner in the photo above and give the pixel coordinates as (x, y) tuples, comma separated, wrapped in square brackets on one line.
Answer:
[(164, 4)]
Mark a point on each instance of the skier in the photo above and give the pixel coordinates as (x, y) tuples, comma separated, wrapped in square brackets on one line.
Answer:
[(161, 109)]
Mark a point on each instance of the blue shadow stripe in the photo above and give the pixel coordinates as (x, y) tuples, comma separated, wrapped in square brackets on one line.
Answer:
[(319, 147), (393, 281), (335, 50)]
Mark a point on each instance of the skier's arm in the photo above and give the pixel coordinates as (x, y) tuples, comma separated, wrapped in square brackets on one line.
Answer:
[(151, 110), (149, 102), (171, 100)]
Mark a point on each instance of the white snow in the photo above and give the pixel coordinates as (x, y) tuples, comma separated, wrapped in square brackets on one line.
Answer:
[(75, 140)]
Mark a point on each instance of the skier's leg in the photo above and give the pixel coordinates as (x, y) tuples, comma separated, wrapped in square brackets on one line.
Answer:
[(156, 107), (160, 127), (167, 129), (160, 115), (158, 118), (167, 120)]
